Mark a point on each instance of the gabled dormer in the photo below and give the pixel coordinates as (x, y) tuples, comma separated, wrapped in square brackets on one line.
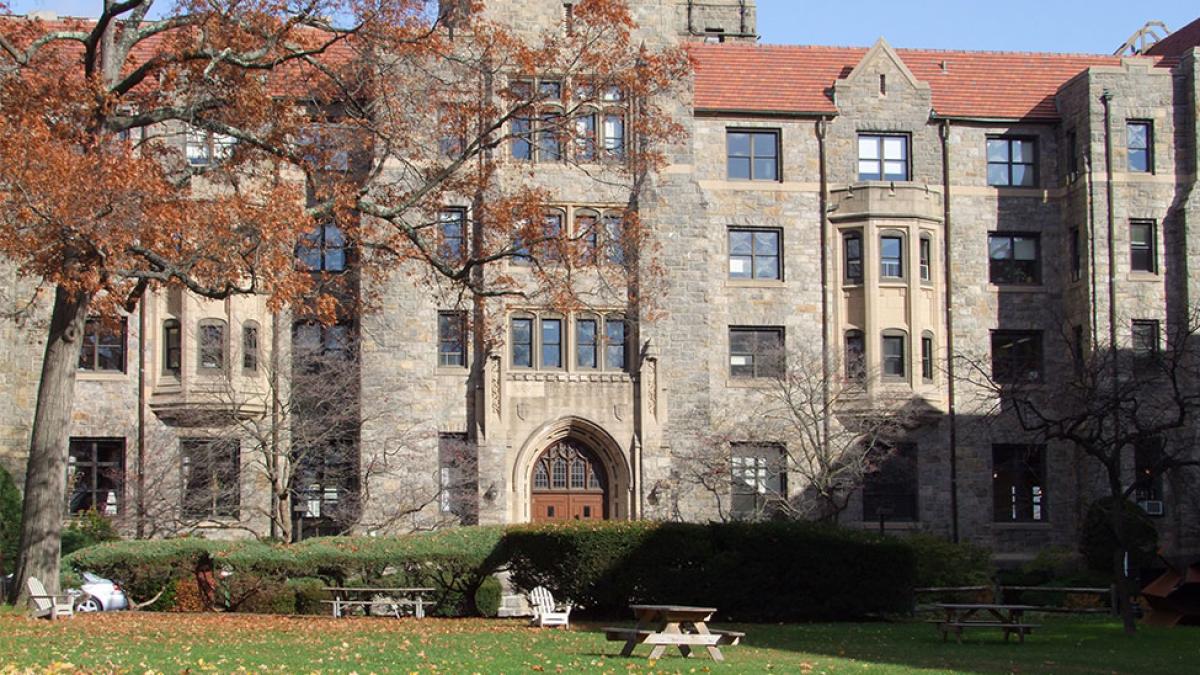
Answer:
[(882, 86)]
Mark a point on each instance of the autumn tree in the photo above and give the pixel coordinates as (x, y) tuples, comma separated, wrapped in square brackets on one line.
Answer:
[(806, 442), (1114, 398), (100, 205)]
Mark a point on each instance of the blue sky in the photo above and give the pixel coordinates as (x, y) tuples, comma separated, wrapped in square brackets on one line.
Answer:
[(1093, 26)]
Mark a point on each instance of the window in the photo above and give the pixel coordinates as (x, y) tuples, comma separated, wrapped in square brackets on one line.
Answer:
[(894, 357), (752, 155), (1139, 144), (1078, 349), (585, 343), (250, 346), (890, 483), (1018, 483), (1076, 253), (754, 254), (1016, 356), (882, 157), (1014, 259), (552, 339), (549, 137), (103, 348), (315, 346), (759, 477), (452, 231), (211, 477), (856, 357), (457, 483), (756, 352), (96, 475), (614, 135), (452, 339), (891, 257), (1149, 458), (324, 484), (521, 129), (172, 351), (205, 147), (614, 343), (212, 344), (1145, 339), (326, 147), (522, 342), (925, 253), (1011, 161), (927, 357), (1142, 254), (852, 248), (322, 250), (614, 238)]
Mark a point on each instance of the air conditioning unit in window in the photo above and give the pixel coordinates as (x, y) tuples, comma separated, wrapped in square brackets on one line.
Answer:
[(1152, 507)]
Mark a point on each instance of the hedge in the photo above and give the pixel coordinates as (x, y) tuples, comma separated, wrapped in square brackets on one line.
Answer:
[(254, 576), (779, 571), (752, 572)]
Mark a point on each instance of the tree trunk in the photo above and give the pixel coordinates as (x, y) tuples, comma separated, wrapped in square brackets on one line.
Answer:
[(46, 470), (1124, 590)]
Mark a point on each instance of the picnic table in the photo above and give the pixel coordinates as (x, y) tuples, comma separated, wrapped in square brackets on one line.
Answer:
[(365, 597), (1009, 618), (678, 625)]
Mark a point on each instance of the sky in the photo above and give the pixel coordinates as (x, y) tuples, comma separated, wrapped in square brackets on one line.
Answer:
[(1088, 26)]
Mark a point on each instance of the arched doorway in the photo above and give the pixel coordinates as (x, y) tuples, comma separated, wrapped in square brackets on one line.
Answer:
[(569, 483)]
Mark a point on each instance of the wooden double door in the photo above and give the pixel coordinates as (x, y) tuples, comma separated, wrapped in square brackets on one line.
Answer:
[(569, 483)]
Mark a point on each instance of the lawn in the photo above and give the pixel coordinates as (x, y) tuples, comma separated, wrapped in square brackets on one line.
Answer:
[(138, 642)]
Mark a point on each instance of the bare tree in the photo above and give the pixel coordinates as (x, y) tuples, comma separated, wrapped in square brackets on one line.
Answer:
[(813, 433), (1115, 397), (295, 427)]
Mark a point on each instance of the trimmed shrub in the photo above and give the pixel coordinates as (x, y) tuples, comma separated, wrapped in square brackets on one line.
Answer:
[(487, 597), (777, 571), (943, 563), (87, 529), (10, 523), (309, 593), (146, 568), (1098, 541)]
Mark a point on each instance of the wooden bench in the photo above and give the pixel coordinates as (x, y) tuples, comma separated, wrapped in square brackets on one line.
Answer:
[(644, 636), (956, 627), (386, 597)]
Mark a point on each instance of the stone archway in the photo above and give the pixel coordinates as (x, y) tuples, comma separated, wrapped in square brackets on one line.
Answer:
[(602, 491)]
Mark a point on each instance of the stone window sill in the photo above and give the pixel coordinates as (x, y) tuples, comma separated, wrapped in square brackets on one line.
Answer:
[(1143, 277), (92, 376), (1033, 525), (755, 283), (1006, 288)]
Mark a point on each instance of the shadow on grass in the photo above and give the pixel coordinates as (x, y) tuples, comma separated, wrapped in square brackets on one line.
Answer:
[(1061, 645)]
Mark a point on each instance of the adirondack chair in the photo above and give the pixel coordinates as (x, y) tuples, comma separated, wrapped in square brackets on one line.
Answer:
[(42, 604), (545, 612)]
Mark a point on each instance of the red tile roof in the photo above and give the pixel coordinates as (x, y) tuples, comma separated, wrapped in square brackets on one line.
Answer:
[(799, 79), (1178, 42)]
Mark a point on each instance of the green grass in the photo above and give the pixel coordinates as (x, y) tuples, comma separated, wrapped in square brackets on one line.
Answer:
[(137, 642)]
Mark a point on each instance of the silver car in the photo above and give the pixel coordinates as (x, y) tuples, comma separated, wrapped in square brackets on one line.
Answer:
[(99, 595)]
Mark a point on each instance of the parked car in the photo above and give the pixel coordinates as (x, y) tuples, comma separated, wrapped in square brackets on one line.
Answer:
[(99, 595)]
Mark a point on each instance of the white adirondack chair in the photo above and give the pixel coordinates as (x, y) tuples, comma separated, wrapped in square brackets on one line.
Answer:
[(42, 604), (545, 612)]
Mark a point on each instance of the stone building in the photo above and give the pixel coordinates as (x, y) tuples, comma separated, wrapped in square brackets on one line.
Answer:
[(887, 207)]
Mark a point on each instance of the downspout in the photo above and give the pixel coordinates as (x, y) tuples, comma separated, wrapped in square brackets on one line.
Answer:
[(691, 31), (822, 129), (1091, 208), (1110, 193), (742, 17), (951, 400), (140, 525)]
